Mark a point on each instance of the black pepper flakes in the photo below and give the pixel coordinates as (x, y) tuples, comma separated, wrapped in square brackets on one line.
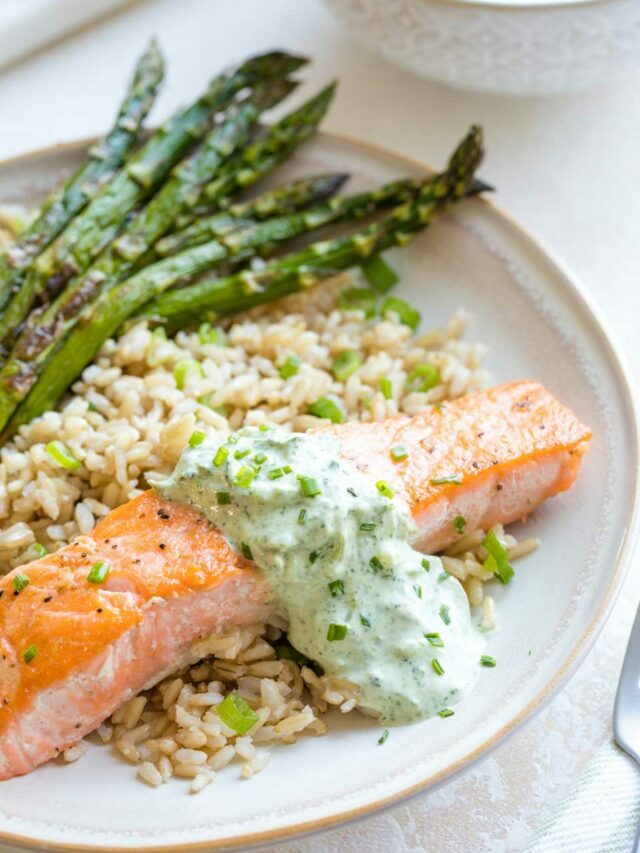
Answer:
[(162, 546)]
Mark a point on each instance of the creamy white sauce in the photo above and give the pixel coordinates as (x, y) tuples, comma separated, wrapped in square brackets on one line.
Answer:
[(340, 565)]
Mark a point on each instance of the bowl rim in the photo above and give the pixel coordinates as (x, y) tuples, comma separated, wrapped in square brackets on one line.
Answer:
[(519, 5)]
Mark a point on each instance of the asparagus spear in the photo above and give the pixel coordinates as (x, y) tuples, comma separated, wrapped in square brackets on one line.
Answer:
[(89, 233), (222, 296), (104, 159), (288, 198)]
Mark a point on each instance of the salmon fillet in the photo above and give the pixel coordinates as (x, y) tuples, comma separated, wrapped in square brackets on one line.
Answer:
[(174, 579)]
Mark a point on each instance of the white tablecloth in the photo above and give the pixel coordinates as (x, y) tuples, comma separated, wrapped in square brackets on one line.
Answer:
[(568, 168)]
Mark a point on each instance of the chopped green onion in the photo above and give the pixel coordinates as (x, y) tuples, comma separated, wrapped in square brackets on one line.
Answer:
[(455, 479), (364, 621), (426, 565), (326, 408), (443, 576), (313, 556), (207, 334), (386, 387), (309, 487), (246, 551), (61, 454), (487, 660), (91, 407), (436, 666), (264, 427), (444, 614), (244, 477), (498, 559), (383, 737), (418, 590), (375, 564), (39, 550), (368, 525), (236, 713), (232, 439), (336, 588), (287, 652), (222, 454), (223, 498), (99, 572), (359, 299), (423, 377), (384, 488), (30, 654), (240, 454), (184, 368), (20, 582), (434, 639), (302, 516), (459, 522), (336, 632), (276, 473), (379, 274), (260, 458), (345, 364), (399, 452), (407, 314), (446, 712), (287, 469), (196, 438), (290, 367)]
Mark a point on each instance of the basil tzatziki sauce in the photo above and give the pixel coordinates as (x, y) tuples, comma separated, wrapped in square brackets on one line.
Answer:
[(334, 547)]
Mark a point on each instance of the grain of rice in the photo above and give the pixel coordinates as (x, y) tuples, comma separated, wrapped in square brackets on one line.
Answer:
[(75, 752)]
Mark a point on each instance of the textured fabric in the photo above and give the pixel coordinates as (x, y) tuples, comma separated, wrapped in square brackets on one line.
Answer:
[(600, 813)]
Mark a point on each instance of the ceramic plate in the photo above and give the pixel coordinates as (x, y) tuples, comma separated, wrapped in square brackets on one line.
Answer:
[(537, 324)]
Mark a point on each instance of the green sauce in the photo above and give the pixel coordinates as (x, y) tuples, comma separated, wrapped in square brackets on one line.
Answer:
[(335, 551)]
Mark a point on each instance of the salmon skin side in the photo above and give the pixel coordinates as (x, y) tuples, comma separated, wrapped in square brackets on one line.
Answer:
[(174, 579)]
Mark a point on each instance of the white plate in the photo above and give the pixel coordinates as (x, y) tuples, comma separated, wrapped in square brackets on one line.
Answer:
[(537, 324)]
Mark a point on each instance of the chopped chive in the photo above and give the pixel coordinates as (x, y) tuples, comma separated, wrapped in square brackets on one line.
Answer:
[(302, 516), (336, 632), (459, 523), (383, 737), (336, 588), (399, 452), (287, 469), (20, 582), (498, 559), (455, 479), (434, 639), (368, 525), (407, 314), (287, 652), (196, 438), (444, 614), (264, 428), (436, 666), (61, 454), (359, 299), (487, 660), (30, 654), (99, 572), (91, 407), (426, 565), (208, 334), (386, 387), (423, 377), (309, 487), (39, 550), (345, 364), (364, 621), (290, 367), (244, 477), (236, 713), (446, 712), (247, 553), (222, 454), (384, 488), (379, 274), (313, 556), (184, 368), (223, 498), (232, 439), (240, 454), (276, 473), (418, 590), (260, 458), (326, 408), (375, 564), (443, 576)]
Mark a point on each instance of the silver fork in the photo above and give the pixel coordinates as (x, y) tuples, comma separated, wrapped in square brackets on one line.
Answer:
[(626, 712)]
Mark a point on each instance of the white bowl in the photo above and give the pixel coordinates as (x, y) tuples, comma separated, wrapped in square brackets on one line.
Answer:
[(508, 46)]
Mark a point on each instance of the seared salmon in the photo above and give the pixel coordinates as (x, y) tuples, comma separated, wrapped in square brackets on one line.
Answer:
[(72, 650)]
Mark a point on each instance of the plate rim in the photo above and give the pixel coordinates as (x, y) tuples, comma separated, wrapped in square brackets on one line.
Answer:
[(571, 283)]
